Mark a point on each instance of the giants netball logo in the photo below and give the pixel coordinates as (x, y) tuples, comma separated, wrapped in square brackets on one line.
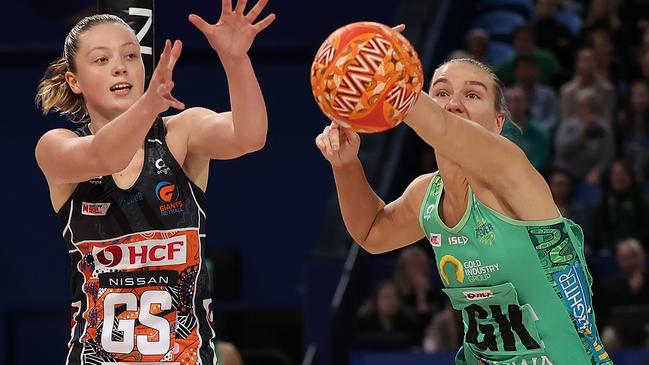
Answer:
[(166, 193), (171, 251)]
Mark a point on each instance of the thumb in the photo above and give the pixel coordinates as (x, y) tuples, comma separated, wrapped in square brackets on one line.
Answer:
[(198, 22), (350, 135)]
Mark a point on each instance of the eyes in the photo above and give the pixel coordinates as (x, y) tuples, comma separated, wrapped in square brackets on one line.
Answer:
[(131, 56), (471, 95)]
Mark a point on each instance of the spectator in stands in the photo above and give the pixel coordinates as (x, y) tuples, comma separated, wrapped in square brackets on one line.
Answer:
[(632, 130), (543, 104), (383, 324), (561, 186), (636, 20), (608, 63), (552, 35), (477, 46), (644, 65), (603, 14), (444, 334), (549, 69), (622, 211), (625, 292), (413, 280), (529, 136), (584, 142), (586, 76)]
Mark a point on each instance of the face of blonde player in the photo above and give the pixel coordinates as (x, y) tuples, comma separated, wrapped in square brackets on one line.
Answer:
[(109, 55), (468, 91)]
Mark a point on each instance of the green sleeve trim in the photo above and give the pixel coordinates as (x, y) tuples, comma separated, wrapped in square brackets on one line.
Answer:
[(423, 203)]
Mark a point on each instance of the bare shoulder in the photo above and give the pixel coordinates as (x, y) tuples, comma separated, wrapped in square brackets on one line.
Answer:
[(50, 141), (55, 135)]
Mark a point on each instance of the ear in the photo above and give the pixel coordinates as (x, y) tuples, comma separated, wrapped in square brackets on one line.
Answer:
[(500, 121), (72, 81)]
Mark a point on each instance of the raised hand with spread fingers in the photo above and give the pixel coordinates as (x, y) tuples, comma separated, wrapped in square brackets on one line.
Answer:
[(233, 34)]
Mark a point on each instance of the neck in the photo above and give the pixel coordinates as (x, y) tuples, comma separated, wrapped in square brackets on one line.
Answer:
[(527, 86), (455, 182), (633, 273), (98, 120), (586, 79)]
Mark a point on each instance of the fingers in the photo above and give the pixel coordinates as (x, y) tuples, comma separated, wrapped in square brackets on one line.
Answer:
[(334, 138), (163, 62), (226, 7), (349, 136), (326, 140), (164, 90), (256, 10), (199, 22), (264, 23), (399, 28), (175, 54), (241, 6), (175, 103), (164, 56), (318, 142)]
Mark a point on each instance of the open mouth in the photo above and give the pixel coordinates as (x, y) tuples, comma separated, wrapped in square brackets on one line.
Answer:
[(121, 88)]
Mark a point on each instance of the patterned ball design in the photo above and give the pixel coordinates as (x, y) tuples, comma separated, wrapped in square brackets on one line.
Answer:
[(366, 76)]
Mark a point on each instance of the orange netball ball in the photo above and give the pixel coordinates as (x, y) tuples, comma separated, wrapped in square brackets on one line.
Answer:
[(366, 76)]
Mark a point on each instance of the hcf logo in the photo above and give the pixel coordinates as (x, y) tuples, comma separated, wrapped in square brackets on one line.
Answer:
[(165, 191), (171, 251)]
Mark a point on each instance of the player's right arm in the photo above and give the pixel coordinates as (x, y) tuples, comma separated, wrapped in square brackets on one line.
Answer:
[(375, 226), (65, 158)]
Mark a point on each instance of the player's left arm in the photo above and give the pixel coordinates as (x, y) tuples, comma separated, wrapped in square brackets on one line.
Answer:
[(491, 159), (243, 130)]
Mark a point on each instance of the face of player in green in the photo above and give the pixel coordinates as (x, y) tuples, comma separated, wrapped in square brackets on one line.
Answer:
[(468, 91), (109, 69)]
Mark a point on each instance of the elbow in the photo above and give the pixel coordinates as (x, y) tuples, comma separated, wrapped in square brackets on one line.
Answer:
[(257, 144), (253, 143), (371, 247), (371, 250)]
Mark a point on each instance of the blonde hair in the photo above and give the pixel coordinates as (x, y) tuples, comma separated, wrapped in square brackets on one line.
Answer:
[(53, 91)]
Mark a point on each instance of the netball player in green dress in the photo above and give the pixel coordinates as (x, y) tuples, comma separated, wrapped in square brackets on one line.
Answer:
[(507, 258)]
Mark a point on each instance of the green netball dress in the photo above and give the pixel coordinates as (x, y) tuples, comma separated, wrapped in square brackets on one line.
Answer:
[(522, 286)]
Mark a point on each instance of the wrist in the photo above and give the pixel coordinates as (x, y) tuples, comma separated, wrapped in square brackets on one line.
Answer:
[(233, 61), (346, 166), (145, 106)]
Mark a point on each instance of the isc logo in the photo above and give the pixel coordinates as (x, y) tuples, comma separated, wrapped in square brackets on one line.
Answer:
[(458, 240), (172, 251), (478, 295)]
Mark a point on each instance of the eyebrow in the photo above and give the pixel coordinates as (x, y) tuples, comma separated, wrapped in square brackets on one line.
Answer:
[(468, 82), (123, 45)]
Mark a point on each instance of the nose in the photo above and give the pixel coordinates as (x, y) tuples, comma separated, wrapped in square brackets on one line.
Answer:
[(454, 105), (119, 68)]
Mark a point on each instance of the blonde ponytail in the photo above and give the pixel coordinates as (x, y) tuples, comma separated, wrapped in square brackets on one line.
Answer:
[(54, 93)]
